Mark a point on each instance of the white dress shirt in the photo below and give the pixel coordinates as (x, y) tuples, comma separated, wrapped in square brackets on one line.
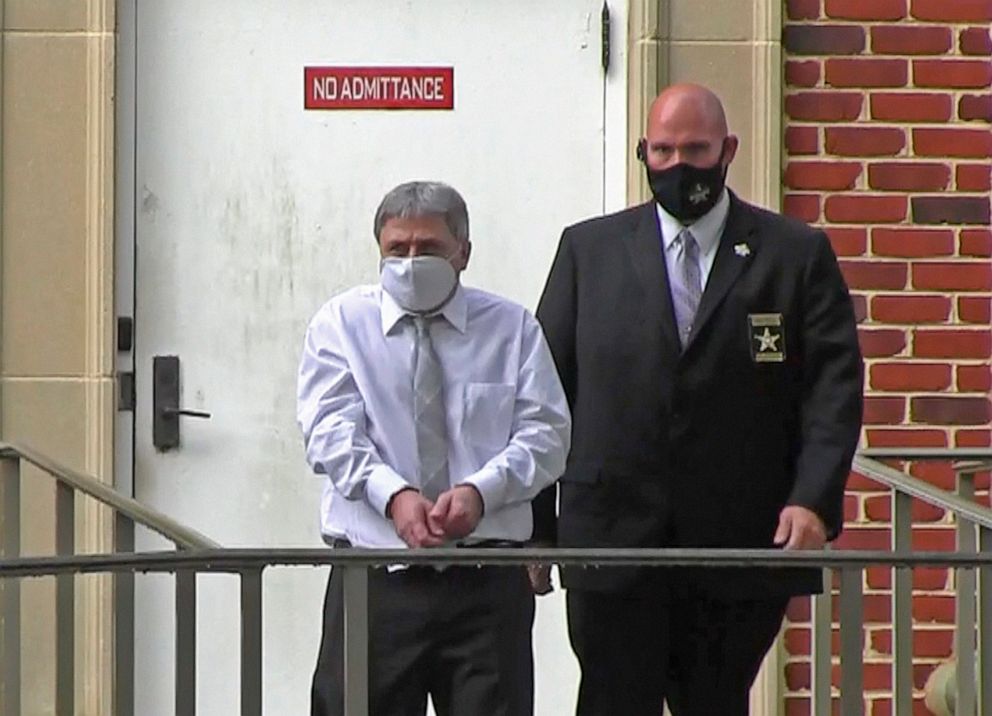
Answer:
[(707, 230), (508, 422)]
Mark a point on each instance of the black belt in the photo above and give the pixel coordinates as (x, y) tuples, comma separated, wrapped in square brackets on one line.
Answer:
[(492, 544), (341, 543)]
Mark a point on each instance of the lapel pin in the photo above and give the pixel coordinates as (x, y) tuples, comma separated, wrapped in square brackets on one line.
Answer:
[(742, 249)]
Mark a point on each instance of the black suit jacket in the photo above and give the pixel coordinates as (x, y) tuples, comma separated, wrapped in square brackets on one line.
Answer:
[(700, 447)]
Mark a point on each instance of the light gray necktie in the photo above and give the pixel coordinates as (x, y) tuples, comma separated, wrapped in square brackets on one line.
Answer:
[(687, 283), (428, 413)]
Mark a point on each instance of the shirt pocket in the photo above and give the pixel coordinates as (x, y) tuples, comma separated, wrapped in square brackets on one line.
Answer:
[(487, 416)]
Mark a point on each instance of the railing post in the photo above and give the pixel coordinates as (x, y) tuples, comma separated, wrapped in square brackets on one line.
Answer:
[(985, 626), (822, 648), (356, 636), (852, 702), (123, 621), (185, 642), (65, 601), (10, 656), (902, 606), (964, 636), (251, 643)]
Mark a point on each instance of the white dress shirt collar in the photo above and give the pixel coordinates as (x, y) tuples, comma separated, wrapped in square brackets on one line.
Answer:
[(455, 310), (707, 229)]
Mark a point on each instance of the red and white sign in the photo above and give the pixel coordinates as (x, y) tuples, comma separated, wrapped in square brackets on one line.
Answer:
[(379, 87)]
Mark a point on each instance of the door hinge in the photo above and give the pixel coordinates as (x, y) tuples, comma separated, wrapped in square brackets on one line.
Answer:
[(605, 30), (125, 333), (125, 392)]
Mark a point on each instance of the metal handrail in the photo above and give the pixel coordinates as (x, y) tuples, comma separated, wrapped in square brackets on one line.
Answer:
[(234, 560), (915, 487), (866, 462), (202, 555), (954, 693), (250, 563), (957, 453), (184, 537)]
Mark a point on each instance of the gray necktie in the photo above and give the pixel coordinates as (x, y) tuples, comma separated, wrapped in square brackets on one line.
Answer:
[(687, 283), (428, 413)]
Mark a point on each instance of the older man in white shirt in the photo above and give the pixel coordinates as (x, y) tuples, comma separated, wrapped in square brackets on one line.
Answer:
[(436, 414)]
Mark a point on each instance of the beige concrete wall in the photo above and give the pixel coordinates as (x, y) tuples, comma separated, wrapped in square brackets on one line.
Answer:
[(733, 47), (56, 315)]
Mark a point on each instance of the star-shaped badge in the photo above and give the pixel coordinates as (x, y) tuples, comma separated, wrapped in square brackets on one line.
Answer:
[(769, 341), (742, 250), (699, 194)]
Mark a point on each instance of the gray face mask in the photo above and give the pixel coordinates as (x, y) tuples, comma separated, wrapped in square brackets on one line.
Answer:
[(418, 284)]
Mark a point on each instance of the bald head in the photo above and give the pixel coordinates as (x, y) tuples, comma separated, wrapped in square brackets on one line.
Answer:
[(689, 103), (686, 123)]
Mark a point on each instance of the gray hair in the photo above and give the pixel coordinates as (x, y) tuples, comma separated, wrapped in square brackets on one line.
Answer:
[(424, 198)]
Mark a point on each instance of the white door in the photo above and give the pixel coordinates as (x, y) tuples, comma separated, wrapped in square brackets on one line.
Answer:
[(251, 211)]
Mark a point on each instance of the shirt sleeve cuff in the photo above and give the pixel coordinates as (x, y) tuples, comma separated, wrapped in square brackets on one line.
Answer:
[(383, 482), (491, 486)]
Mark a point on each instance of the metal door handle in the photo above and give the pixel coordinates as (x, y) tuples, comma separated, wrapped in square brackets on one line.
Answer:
[(165, 403), (188, 413)]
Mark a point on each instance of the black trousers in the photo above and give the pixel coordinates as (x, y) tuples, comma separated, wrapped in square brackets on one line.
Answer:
[(462, 635), (666, 641)]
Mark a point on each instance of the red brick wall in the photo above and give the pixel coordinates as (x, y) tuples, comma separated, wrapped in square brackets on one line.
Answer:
[(888, 146)]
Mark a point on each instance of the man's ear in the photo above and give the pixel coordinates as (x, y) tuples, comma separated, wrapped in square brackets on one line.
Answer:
[(465, 253), (731, 143)]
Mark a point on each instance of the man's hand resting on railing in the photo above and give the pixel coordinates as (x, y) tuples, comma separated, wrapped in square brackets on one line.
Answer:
[(800, 528)]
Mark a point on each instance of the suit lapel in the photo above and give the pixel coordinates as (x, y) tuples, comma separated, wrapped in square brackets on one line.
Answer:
[(646, 256), (734, 253)]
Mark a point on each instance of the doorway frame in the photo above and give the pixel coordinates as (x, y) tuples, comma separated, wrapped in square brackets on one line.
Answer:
[(641, 31)]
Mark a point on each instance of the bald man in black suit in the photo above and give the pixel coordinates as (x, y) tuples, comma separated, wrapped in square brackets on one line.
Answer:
[(709, 353)]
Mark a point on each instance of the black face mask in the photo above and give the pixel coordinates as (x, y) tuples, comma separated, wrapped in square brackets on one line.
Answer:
[(684, 191)]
